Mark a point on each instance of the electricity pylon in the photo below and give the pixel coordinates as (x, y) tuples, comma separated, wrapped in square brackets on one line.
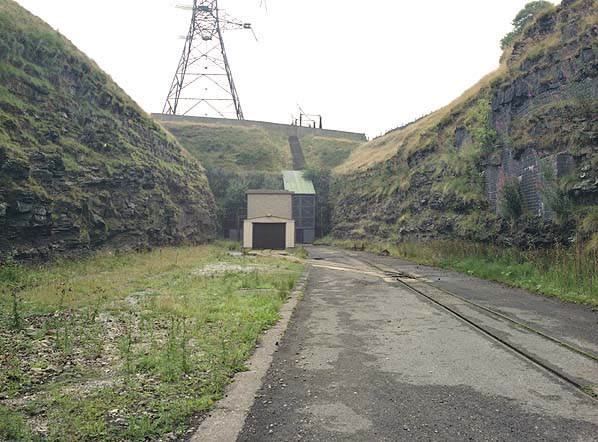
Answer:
[(203, 83)]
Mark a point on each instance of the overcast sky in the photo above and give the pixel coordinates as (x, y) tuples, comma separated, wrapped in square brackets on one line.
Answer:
[(366, 66)]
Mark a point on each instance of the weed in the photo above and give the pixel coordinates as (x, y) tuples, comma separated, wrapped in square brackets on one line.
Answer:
[(157, 341), (300, 252), (12, 426), (16, 302), (11, 273), (567, 273), (125, 345), (12, 277), (592, 390), (184, 339)]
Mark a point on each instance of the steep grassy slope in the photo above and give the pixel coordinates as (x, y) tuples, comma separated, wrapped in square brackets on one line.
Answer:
[(515, 159), (245, 148), (234, 148), (326, 152), (80, 164)]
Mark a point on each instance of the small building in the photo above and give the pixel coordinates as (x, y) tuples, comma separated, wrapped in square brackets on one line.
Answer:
[(304, 205), (269, 223)]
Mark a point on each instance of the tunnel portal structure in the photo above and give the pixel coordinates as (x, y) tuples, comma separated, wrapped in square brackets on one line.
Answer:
[(304, 205)]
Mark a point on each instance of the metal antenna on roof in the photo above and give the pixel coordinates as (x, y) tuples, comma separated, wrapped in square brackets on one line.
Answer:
[(203, 82)]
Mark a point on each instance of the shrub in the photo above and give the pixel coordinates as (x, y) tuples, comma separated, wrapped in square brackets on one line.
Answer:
[(510, 201), (529, 11)]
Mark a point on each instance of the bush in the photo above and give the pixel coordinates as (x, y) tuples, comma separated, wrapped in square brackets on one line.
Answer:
[(510, 201), (559, 202), (529, 11)]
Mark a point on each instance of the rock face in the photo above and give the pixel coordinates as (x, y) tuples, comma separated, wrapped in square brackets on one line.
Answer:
[(534, 123), (81, 165)]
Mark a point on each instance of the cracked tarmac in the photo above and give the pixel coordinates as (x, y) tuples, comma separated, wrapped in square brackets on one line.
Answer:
[(365, 360)]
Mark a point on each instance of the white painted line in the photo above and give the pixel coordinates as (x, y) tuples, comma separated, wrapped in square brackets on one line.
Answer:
[(348, 269)]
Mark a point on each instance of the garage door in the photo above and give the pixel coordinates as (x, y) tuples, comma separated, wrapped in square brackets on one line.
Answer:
[(269, 236)]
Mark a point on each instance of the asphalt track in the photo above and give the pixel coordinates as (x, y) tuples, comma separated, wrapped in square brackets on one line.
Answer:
[(368, 358)]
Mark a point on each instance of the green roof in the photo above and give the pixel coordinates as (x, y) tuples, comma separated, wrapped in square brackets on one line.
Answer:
[(294, 181)]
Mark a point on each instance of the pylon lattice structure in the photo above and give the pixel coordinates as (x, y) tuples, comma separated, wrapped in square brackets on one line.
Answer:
[(203, 83)]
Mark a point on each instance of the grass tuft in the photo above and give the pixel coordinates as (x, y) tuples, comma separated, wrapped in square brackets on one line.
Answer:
[(570, 274), (130, 346)]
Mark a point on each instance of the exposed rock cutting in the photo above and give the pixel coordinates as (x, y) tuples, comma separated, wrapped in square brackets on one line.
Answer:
[(81, 165), (533, 122)]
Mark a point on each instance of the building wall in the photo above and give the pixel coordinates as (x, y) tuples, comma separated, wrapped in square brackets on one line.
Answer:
[(248, 230), (264, 205), (307, 236)]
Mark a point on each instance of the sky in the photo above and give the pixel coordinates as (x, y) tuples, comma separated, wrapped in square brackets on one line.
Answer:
[(365, 66)]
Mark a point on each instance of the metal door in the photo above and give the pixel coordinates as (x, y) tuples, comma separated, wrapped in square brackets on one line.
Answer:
[(269, 236)]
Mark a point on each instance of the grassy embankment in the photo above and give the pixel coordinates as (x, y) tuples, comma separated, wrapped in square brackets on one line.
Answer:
[(251, 149), (325, 152), (567, 274), (233, 148), (129, 347)]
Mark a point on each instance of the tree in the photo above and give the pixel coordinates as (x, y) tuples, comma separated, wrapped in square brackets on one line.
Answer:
[(529, 11)]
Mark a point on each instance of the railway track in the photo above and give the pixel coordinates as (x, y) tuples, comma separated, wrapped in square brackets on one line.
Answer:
[(573, 365)]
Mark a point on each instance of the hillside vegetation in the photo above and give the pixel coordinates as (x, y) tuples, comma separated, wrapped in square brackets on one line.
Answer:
[(252, 148), (327, 153), (238, 158), (514, 160), (233, 148), (81, 165)]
